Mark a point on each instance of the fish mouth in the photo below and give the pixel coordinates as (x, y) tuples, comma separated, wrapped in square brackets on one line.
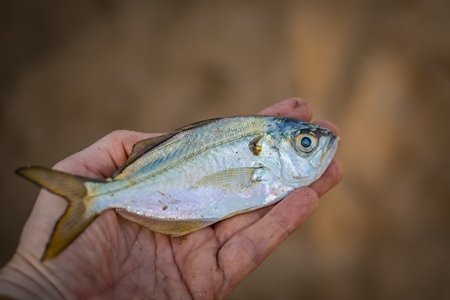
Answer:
[(331, 147), (334, 139)]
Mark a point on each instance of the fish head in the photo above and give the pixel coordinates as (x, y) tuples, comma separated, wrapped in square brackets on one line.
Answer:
[(305, 150)]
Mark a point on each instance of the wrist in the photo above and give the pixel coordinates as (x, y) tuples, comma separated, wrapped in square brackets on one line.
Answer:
[(21, 279)]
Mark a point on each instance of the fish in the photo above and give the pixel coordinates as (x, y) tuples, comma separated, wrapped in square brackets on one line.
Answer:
[(193, 177)]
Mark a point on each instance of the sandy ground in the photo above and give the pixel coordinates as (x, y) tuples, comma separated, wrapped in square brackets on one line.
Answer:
[(71, 73)]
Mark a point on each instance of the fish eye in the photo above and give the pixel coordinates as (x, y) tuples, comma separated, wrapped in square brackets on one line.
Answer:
[(305, 142)]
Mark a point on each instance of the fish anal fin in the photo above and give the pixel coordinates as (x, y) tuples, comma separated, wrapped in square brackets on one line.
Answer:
[(166, 226), (77, 215), (236, 179), (141, 148)]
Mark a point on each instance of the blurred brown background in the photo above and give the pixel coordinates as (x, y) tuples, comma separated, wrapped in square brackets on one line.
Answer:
[(71, 72)]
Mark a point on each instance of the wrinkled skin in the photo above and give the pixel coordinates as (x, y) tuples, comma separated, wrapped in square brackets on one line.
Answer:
[(117, 259)]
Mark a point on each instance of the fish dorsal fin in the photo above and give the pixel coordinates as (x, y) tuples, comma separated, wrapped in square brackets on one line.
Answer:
[(196, 124), (230, 180), (142, 147)]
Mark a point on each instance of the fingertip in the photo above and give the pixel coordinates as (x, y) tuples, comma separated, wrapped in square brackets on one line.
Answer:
[(336, 172), (330, 178), (296, 108), (338, 169)]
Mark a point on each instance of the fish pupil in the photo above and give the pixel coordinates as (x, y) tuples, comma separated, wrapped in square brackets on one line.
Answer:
[(306, 142)]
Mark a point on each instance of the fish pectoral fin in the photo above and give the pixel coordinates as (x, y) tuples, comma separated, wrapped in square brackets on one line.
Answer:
[(167, 227), (230, 180)]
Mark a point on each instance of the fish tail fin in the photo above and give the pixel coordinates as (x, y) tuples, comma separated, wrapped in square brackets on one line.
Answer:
[(77, 215)]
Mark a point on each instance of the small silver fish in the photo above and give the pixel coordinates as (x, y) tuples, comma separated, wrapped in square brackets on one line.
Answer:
[(195, 176)]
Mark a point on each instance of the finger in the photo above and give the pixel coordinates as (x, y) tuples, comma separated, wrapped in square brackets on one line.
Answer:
[(248, 248), (331, 177), (296, 108)]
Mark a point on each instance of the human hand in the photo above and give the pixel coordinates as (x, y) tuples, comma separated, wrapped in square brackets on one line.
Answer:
[(116, 258)]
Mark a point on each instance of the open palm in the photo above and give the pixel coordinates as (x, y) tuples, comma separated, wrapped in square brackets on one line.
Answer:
[(116, 258)]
